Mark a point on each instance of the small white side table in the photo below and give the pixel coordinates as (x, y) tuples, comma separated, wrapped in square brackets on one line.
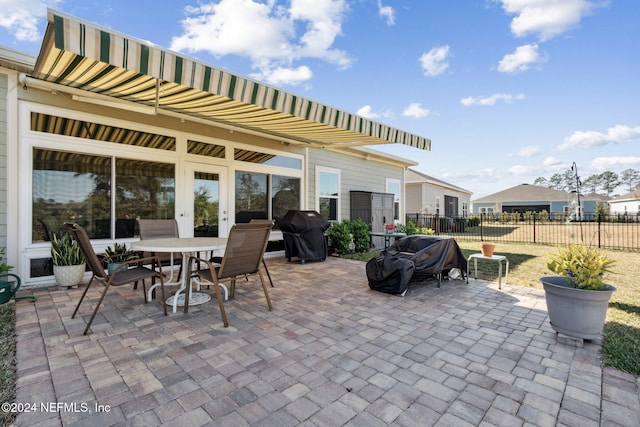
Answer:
[(498, 258)]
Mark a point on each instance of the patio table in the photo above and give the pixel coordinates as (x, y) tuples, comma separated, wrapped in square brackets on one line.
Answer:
[(188, 246), (387, 237), (498, 258)]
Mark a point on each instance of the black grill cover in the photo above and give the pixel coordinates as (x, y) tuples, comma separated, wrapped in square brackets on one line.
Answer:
[(303, 233), (411, 256)]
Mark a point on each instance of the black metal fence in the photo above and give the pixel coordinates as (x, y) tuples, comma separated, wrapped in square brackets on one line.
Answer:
[(604, 231)]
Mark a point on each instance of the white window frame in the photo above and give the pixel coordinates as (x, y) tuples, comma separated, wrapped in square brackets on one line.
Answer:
[(319, 170)]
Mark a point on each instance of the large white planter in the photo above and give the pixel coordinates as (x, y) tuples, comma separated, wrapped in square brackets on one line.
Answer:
[(578, 313), (68, 275)]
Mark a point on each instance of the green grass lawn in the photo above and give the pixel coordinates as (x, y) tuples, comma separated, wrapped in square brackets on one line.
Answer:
[(7, 360), (621, 343)]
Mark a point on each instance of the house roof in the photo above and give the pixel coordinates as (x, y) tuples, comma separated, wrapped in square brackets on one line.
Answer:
[(14, 60), (532, 193), (115, 67), (414, 177), (629, 197)]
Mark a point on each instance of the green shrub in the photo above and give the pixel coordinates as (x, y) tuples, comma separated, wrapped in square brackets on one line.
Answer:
[(339, 237), (409, 228), (361, 238), (349, 236)]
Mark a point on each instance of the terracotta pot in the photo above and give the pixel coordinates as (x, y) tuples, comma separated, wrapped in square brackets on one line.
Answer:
[(488, 248)]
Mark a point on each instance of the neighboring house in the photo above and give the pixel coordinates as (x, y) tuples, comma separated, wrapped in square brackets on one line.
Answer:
[(428, 195), (102, 129), (533, 198), (627, 204)]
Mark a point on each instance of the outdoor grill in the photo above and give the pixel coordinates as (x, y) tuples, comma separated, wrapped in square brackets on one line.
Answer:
[(303, 233)]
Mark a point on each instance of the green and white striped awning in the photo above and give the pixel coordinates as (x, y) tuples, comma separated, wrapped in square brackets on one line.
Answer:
[(86, 57)]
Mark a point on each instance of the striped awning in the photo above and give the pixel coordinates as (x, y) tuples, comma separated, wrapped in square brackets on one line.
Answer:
[(86, 57)]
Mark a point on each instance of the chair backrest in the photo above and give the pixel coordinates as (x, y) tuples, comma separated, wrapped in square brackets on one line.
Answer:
[(158, 228), (90, 255), (245, 248)]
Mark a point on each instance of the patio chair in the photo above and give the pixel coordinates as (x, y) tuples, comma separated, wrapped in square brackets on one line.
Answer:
[(271, 223), (243, 256), (126, 273), (160, 229)]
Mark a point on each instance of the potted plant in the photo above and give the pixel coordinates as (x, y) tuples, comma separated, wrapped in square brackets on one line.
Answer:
[(68, 260), (116, 255), (578, 299)]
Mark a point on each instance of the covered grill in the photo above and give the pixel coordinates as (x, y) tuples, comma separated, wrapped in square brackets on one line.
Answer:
[(303, 233)]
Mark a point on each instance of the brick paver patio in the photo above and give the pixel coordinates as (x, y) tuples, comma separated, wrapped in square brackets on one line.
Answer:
[(331, 353)]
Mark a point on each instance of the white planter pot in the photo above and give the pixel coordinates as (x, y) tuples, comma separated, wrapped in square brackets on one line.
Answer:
[(578, 313), (68, 275)]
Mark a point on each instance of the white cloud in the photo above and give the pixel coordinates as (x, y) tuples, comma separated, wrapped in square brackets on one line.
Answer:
[(265, 32), (546, 18), (367, 112), (551, 161), (491, 100), (519, 170), (589, 139), (387, 13), (529, 151), (435, 61), (613, 163), (416, 110), (520, 60), (291, 76), (20, 18)]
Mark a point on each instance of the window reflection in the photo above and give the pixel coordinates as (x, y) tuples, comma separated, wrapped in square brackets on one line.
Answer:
[(143, 190), (328, 183), (285, 195), (255, 190), (251, 196), (73, 187), (70, 187)]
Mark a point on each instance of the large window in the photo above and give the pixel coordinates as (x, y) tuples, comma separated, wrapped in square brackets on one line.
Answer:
[(73, 187), (262, 196), (328, 184)]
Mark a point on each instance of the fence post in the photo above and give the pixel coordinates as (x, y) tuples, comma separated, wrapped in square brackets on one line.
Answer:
[(534, 227), (599, 225), (481, 233)]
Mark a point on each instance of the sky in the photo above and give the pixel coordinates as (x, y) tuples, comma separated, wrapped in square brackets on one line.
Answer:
[(507, 90)]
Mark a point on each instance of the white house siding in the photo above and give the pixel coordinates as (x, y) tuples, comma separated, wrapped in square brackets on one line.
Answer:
[(630, 207), (357, 173), (3, 159)]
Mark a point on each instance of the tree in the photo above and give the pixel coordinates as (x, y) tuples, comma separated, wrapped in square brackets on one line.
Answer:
[(541, 181), (610, 181), (592, 183), (556, 181), (630, 178), (569, 183)]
